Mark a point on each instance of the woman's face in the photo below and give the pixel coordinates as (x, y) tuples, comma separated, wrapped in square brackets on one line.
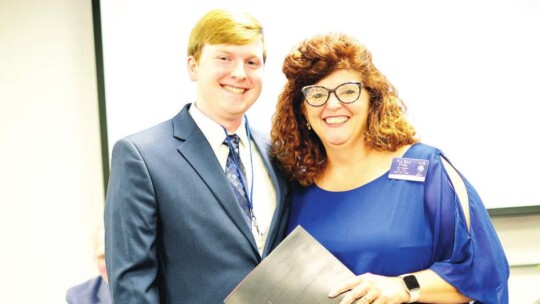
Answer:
[(337, 124)]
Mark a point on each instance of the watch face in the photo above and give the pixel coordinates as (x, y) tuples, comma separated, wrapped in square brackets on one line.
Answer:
[(411, 282)]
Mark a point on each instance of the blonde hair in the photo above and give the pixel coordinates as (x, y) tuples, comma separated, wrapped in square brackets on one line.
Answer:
[(221, 26)]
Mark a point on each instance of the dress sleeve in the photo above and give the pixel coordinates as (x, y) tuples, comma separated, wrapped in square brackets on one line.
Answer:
[(472, 261), (131, 228)]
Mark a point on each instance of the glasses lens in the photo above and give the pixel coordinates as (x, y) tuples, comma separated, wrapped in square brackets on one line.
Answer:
[(315, 95), (348, 92)]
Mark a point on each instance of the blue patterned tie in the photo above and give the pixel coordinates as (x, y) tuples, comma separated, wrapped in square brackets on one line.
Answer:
[(236, 174)]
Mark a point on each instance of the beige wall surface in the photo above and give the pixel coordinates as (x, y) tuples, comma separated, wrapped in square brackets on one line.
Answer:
[(520, 236), (51, 185)]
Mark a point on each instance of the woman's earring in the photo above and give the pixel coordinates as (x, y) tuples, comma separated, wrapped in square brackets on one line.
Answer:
[(308, 126)]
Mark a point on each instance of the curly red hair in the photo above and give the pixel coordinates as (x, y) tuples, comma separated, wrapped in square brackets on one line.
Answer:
[(298, 149)]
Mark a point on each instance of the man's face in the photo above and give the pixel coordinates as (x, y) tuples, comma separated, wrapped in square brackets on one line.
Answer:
[(229, 80)]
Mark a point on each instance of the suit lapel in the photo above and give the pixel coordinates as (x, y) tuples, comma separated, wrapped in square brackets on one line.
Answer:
[(279, 185), (197, 152), (103, 294)]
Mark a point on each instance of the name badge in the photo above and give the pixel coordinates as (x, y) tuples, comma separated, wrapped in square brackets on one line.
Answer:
[(409, 169)]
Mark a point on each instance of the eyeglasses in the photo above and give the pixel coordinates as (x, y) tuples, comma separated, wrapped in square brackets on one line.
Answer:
[(317, 96)]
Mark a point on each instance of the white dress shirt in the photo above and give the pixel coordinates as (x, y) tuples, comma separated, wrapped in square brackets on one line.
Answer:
[(264, 194)]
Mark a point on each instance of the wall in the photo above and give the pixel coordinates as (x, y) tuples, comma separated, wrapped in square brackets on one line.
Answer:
[(520, 236), (51, 185)]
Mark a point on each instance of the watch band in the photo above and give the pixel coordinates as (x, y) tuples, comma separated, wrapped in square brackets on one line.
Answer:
[(411, 285)]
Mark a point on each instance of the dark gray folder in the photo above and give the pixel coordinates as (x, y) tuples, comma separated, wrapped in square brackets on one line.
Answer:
[(299, 271)]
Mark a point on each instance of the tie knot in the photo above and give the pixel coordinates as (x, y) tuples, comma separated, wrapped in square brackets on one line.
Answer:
[(234, 140)]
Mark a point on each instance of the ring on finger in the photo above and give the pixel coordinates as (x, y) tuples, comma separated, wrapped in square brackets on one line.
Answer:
[(366, 300)]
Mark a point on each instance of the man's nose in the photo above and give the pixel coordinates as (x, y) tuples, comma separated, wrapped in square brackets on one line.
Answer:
[(239, 71)]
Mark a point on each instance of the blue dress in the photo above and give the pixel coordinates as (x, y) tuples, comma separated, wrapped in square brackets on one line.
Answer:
[(391, 227)]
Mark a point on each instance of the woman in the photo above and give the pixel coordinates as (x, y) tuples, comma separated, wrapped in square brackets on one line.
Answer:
[(392, 209)]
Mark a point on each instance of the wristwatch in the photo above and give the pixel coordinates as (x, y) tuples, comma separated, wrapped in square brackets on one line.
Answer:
[(412, 287)]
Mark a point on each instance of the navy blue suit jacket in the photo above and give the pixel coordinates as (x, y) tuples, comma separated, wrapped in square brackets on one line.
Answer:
[(174, 232), (94, 291)]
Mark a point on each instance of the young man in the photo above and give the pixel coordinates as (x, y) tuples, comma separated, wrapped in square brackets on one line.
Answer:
[(176, 230)]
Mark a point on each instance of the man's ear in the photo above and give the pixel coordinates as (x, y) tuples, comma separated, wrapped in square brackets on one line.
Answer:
[(193, 68)]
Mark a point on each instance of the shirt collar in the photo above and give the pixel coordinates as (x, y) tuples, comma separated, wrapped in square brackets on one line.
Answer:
[(213, 131)]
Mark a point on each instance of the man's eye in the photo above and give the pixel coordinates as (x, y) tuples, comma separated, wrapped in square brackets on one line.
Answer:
[(254, 63)]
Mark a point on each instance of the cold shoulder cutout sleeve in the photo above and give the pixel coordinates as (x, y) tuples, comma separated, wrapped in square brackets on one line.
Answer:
[(470, 259)]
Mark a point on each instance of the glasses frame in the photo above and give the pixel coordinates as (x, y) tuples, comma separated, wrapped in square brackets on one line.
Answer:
[(330, 91)]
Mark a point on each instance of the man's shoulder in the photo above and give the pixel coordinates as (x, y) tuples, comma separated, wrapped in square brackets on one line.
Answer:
[(261, 137), (83, 290), (152, 132), (158, 131)]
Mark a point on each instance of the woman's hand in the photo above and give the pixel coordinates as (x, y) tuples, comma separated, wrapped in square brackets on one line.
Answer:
[(372, 289)]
